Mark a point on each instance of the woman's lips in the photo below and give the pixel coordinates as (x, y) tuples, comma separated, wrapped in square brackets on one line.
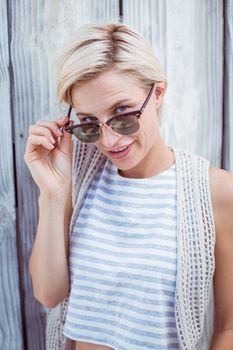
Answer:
[(120, 154)]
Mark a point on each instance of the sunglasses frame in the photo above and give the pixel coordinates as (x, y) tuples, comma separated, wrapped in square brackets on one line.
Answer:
[(137, 113)]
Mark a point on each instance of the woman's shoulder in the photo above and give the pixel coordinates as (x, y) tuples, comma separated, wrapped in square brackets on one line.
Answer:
[(221, 185), (221, 189)]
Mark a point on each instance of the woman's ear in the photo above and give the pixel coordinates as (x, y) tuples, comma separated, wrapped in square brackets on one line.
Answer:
[(160, 90)]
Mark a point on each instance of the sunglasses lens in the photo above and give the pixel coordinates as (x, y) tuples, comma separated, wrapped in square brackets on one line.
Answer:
[(122, 124), (87, 132), (125, 125)]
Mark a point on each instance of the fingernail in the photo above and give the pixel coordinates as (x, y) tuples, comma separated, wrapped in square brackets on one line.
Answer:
[(50, 145), (59, 133), (52, 140)]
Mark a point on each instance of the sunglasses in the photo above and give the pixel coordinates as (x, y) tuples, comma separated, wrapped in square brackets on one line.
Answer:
[(123, 124)]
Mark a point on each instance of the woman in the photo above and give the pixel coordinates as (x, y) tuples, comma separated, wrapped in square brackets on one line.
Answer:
[(134, 249)]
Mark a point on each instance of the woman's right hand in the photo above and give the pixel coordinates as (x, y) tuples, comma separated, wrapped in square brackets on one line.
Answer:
[(48, 155)]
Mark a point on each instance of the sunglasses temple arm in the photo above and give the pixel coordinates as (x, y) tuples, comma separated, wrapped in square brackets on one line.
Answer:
[(148, 97), (68, 115), (69, 112)]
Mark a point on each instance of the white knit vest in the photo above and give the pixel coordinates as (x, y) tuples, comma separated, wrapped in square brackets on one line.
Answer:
[(194, 306)]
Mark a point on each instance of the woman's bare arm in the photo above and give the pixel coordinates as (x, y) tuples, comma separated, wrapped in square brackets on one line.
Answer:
[(49, 259), (48, 156), (222, 199)]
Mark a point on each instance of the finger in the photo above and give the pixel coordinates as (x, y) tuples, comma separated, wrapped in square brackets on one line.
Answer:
[(43, 131), (66, 145), (55, 125), (62, 121), (34, 141)]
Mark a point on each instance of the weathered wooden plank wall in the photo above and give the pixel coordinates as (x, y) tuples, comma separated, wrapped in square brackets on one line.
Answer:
[(30, 91), (227, 151), (35, 42), (189, 38), (11, 335)]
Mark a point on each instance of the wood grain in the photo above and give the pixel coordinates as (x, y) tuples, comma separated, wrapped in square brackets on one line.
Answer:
[(187, 37), (11, 336), (36, 42), (227, 153)]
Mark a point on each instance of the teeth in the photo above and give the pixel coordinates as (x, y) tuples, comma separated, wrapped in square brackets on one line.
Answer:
[(120, 149)]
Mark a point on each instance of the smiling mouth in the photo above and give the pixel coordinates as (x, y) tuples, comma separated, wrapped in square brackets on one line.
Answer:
[(120, 152), (120, 149)]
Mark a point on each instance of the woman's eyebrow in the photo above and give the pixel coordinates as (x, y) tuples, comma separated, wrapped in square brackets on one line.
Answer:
[(116, 104)]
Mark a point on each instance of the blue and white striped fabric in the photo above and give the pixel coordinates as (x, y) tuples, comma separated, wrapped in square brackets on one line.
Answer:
[(123, 254)]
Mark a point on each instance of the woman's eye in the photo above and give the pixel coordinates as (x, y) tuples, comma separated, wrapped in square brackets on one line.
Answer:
[(88, 119), (121, 109)]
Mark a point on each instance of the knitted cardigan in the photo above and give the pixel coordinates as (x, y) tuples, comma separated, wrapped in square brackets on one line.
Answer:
[(194, 306)]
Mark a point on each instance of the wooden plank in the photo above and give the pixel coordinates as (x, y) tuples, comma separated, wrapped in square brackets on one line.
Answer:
[(208, 58), (61, 20), (36, 40), (11, 337), (187, 38), (149, 18), (228, 87)]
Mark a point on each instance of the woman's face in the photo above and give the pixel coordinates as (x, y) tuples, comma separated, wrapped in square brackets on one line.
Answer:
[(114, 93)]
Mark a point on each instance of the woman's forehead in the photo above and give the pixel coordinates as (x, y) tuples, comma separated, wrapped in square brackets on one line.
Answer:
[(109, 86)]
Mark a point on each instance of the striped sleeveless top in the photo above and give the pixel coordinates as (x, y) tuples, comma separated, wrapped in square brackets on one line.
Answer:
[(123, 253)]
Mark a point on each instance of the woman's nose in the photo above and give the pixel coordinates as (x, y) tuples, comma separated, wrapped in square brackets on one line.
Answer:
[(108, 136)]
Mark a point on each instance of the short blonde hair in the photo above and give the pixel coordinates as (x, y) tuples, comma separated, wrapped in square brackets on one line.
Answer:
[(98, 48)]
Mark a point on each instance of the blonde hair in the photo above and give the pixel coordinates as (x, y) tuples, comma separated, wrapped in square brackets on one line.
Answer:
[(98, 48)]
